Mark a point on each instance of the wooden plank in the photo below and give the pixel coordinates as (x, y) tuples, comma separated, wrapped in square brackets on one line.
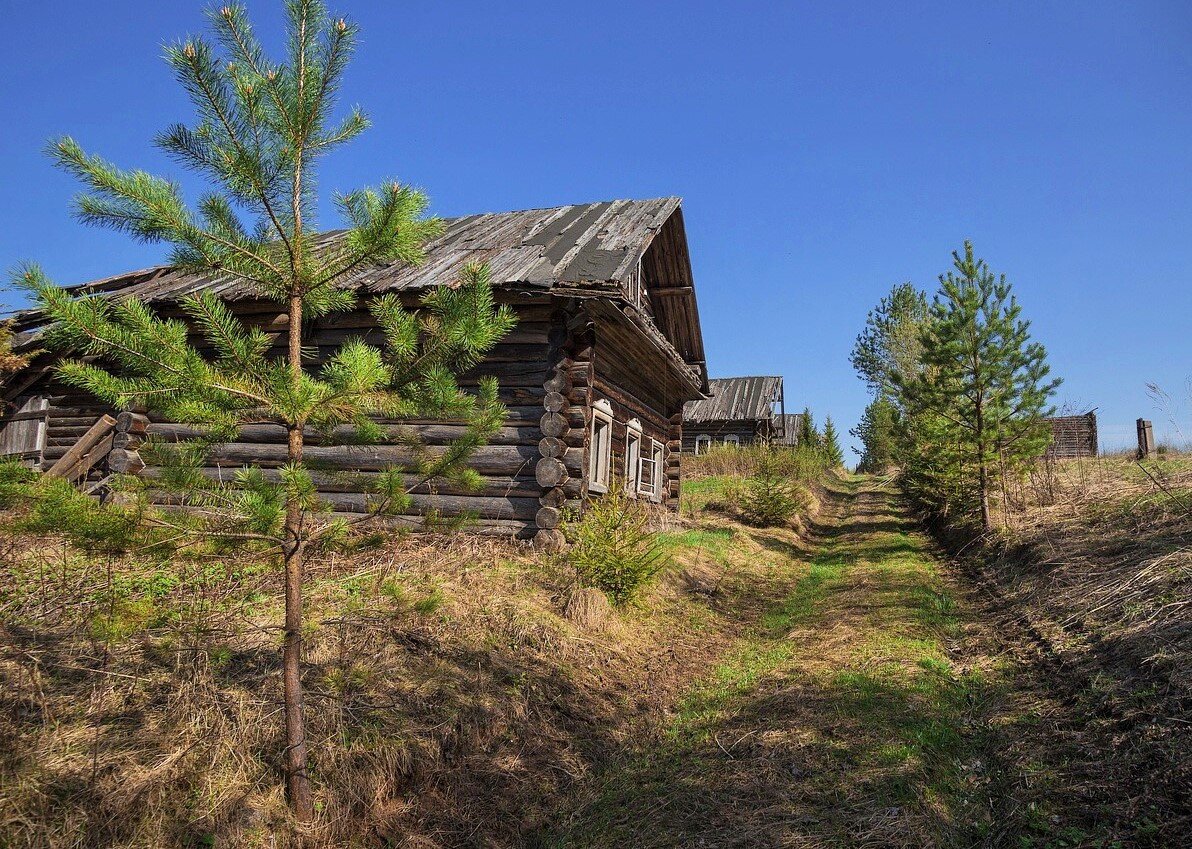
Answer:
[(91, 459), (77, 454)]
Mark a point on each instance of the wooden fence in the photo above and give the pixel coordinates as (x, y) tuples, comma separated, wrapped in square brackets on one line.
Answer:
[(1073, 436)]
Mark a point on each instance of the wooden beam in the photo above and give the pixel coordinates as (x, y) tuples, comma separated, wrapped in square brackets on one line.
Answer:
[(86, 452)]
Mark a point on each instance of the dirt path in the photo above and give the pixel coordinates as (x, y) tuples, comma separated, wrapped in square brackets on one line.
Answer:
[(861, 711)]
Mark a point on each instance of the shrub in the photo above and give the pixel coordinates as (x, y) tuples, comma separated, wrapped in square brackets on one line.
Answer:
[(769, 497), (612, 547)]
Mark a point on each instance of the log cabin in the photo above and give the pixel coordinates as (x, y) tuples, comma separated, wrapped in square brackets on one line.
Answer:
[(606, 351), (737, 411)]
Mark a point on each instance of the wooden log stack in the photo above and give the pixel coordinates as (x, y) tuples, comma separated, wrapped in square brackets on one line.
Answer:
[(551, 471)]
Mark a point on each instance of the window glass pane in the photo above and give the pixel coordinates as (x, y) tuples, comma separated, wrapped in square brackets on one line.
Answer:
[(632, 452)]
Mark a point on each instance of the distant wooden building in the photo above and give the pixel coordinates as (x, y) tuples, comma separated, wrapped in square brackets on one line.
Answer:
[(792, 424), (606, 351), (738, 411), (1073, 436)]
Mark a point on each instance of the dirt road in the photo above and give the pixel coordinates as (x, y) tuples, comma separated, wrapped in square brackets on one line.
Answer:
[(869, 708)]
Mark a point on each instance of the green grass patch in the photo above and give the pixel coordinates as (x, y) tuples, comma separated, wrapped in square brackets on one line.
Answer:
[(717, 542)]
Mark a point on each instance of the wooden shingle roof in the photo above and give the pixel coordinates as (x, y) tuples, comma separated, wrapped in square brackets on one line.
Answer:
[(582, 250), (541, 248), (735, 399)]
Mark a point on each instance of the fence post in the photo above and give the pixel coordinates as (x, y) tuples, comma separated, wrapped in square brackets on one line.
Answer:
[(1146, 439)]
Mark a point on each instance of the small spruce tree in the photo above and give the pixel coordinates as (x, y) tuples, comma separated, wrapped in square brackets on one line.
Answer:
[(831, 444), (263, 127), (808, 435), (981, 397)]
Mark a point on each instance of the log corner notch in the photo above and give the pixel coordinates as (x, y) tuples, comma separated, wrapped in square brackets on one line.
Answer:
[(124, 458), (561, 426)]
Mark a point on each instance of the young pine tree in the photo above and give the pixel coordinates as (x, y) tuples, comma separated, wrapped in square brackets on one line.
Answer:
[(831, 444), (983, 391), (263, 127)]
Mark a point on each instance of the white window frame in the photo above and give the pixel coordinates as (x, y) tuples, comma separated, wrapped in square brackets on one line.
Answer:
[(633, 456), (705, 439), (600, 447), (657, 464), (732, 439)]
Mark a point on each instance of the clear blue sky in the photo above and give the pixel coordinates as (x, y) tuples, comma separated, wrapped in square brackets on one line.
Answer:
[(824, 154)]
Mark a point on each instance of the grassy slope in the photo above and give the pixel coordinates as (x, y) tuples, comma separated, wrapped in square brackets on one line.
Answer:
[(450, 702), (771, 689), (1094, 577), (843, 717)]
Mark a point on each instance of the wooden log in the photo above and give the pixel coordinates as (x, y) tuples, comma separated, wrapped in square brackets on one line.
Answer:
[(555, 402), (83, 421), (131, 441), (550, 472), (525, 486), (506, 528), (432, 434), (499, 528), (76, 455), (490, 459), (127, 422), (555, 497), (549, 540), (554, 424), (559, 382), (121, 461), (485, 507), (552, 446), (62, 432), (547, 517)]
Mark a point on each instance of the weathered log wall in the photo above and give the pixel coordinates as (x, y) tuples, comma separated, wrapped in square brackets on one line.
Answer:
[(637, 387), (507, 504), (550, 369), (746, 433)]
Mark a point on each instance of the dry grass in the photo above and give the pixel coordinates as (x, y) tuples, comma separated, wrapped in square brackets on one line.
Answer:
[(1096, 568), (451, 703), (803, 465)]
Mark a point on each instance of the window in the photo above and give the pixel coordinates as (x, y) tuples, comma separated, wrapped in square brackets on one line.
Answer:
[(702, 443), (732, 439), (633, 456), (653, 471), (600, 448)]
